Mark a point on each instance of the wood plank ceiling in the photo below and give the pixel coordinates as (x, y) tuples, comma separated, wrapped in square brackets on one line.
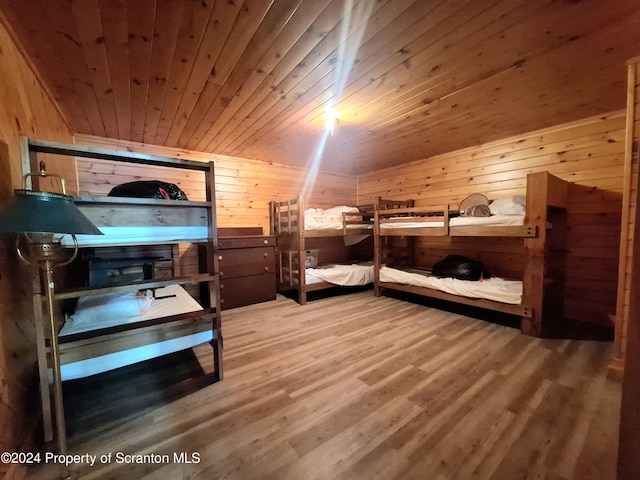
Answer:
[(253, 78)]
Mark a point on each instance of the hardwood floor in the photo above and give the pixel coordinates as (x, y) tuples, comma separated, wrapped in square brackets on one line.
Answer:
[(358, 387)]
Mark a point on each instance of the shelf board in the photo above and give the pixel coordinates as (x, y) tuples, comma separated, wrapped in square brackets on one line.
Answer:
[(114, 155), (153, 202), (82, 292)]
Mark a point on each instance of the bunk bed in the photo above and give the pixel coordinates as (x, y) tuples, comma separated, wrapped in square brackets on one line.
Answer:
[(536, 298), (133, 319), (320, 248)]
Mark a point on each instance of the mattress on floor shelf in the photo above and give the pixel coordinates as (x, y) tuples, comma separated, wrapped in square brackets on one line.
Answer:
[(341, 275), (495, 288), (101, 311)]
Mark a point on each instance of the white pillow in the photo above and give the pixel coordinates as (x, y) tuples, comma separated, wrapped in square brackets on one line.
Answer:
[(508, 206)]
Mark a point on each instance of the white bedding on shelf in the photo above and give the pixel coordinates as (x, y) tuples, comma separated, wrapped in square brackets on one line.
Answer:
[(101, 311), (342, 275), (140, 235), (94, 317), (493, 220), (497, 289)]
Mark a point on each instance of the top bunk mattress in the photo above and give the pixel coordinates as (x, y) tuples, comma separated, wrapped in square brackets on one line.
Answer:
[(140, 235), (331, 218), (493, 220), (143, 221)]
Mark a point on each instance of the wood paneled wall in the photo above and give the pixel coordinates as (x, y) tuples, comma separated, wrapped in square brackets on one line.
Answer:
[(244, 188), (589, 153), (27, 109)]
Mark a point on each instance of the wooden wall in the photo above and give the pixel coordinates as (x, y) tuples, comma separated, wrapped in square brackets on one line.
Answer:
[(589, 153), (27, 109), (244, 188)]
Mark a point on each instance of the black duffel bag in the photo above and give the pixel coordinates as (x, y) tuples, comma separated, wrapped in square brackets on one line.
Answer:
[(149, 189), (460, 267)]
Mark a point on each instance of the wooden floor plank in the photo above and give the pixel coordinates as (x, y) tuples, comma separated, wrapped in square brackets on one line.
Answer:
[(360, 387)]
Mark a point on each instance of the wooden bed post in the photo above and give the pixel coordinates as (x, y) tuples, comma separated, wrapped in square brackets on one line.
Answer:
[(302, 278), (543, 287), (627, 342), (217, 341), (377, 253), (272, 225)]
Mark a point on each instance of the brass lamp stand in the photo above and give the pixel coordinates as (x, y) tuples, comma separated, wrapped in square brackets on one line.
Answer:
[(45, 252), (38, 217)]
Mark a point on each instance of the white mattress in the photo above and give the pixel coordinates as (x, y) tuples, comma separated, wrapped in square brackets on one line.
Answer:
[(497, 289), (342, 275), (493, 220), (101, 311), (330, 218), (140, 235), (95, 317)]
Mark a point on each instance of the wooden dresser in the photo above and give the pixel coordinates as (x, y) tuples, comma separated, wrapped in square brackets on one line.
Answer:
[(247, 261)]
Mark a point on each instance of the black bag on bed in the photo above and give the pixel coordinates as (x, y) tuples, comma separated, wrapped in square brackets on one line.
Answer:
[(460, 267), (148, 189)]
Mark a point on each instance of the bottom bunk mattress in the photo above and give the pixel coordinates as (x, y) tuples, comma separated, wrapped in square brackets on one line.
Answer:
[(496, 289), (341, 275), (101, 311)]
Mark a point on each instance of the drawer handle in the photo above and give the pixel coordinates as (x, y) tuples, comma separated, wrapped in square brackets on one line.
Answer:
[(219, 257), (266, 242), (221, 286), (266, 255), (266, 269), (221, 273)]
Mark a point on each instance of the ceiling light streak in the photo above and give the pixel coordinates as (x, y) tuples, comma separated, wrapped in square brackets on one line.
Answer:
[(354, 21)]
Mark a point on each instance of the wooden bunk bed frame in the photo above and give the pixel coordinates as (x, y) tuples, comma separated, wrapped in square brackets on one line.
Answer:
[(287, 224), (543, 250), (134, 212)]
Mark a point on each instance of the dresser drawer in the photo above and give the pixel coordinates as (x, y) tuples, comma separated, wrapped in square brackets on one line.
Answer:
[(240, 291), (246, 242), (238, 262)]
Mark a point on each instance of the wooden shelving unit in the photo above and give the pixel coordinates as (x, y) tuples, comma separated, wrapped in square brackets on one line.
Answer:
[(133, 212)]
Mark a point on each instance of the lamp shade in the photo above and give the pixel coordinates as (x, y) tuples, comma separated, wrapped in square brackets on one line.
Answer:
[(31, 211)]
